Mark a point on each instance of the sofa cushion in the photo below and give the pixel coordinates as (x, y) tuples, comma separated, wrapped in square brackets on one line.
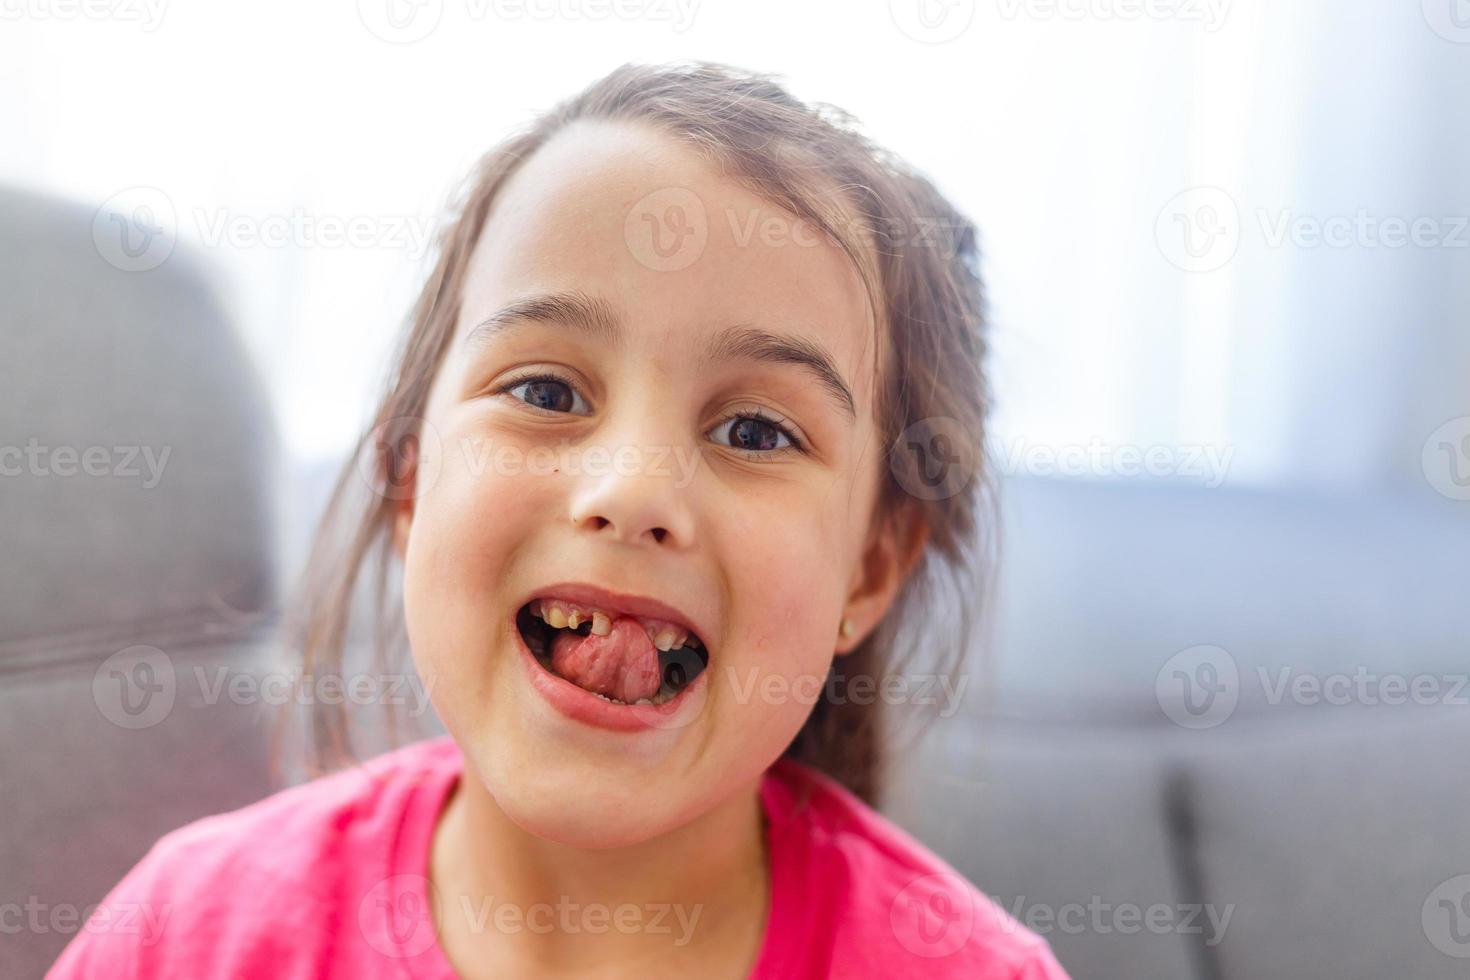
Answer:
[(1068, 828), (137, 460), (1341, 841)]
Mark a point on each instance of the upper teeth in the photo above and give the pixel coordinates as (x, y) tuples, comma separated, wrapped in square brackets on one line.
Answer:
[(566, 615)]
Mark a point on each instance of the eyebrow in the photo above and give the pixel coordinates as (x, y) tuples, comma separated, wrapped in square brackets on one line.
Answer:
[(749, 343), (574, 309), (599, 319)]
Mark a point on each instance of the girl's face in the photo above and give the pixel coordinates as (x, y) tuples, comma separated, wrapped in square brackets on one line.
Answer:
[(686, 419)]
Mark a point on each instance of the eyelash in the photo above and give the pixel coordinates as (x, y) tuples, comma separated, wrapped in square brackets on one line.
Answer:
[(531, 377), (780, 424)]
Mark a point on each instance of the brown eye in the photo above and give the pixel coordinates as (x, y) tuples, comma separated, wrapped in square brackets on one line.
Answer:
[(755, 434), (548, 393), (752, 433)]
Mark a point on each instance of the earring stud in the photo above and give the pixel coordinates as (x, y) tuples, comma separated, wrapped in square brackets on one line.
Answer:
[(846, 628)]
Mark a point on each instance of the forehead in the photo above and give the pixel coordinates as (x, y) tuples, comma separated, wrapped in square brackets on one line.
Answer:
[(627, 214)]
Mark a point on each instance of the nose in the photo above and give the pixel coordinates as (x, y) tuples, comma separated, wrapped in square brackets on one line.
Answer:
[(636, 500)]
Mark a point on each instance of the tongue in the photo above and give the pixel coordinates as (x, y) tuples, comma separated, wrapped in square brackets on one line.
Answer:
[(623, 664)]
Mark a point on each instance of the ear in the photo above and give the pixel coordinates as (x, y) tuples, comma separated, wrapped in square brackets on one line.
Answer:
[(892, 552), (398, 469), (402, 521)]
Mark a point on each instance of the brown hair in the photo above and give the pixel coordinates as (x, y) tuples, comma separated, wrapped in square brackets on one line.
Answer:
[(917, 258)]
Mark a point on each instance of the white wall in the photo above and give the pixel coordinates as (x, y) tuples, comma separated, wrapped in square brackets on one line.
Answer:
[(1063, 127)]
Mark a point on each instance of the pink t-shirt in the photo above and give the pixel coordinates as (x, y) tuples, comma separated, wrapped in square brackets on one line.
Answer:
[(328, 879)]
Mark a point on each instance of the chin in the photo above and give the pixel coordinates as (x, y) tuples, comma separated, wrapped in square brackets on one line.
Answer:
[(571, 804)]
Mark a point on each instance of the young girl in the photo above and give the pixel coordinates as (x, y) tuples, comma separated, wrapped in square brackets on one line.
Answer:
[(685, 392)]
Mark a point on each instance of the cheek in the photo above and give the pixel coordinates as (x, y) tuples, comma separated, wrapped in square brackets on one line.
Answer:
[(788, 570), (466, 527)]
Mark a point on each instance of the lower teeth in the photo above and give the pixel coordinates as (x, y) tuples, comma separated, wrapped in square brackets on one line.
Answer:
[(663, 695), (660, 699)]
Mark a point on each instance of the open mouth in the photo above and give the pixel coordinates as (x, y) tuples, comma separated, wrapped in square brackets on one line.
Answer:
[(621, 658)]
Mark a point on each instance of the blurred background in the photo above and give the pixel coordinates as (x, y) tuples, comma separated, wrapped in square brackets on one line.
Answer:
[(1219, 723)]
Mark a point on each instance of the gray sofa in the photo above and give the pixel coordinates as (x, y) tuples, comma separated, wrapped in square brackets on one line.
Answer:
[(127, 572), (1146, 830), (1324, 818)]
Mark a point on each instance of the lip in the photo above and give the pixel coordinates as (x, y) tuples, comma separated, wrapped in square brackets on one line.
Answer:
[(583, 706)]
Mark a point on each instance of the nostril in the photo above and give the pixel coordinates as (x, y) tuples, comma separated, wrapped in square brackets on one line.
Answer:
[(597, 522)]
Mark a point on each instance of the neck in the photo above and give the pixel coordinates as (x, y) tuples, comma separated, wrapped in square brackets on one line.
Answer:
[(513, 899)]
